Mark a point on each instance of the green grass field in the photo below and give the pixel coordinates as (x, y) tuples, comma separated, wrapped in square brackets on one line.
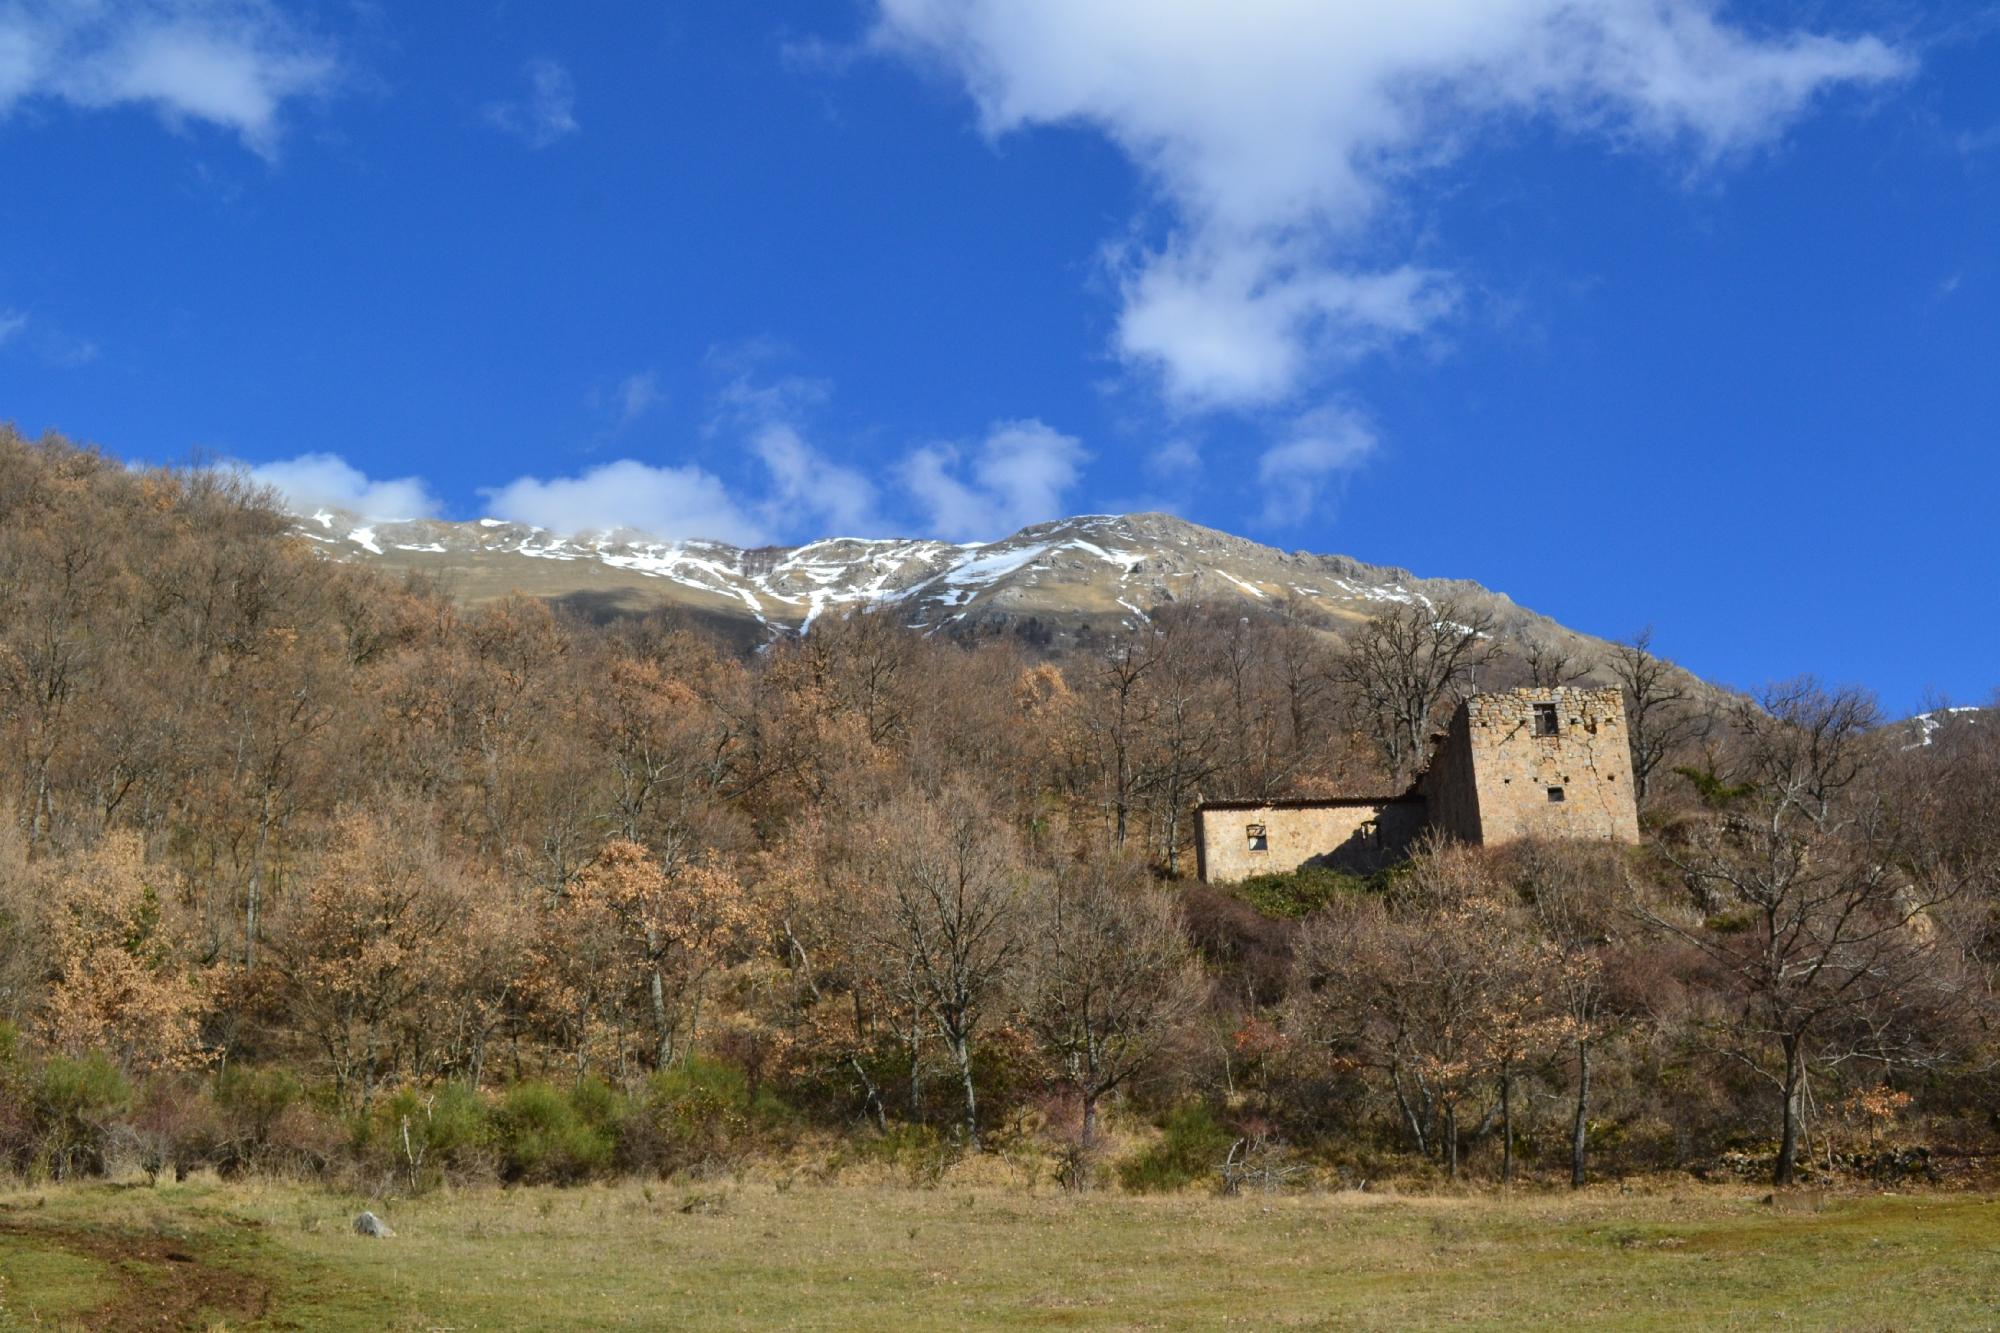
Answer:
[(753, 1256)]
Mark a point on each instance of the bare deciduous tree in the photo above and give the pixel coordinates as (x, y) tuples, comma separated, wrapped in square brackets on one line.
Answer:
[(1108, 976), (358, 948), (1550, 665), (950, 882), (1831, 952), (1404, 665), (1181, 746), (1660, 716), (1118, 715), (1573, 891), (678, 920), (1436, 990)]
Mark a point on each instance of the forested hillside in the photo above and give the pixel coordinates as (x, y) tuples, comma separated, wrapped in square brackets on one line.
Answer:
[(303, 868)]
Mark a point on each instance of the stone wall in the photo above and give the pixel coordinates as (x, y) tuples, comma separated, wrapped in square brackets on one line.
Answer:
[(1448, 785), (1356, 835), (1574, 783)]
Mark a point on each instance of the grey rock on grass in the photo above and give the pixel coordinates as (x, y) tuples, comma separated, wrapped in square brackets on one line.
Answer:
[(370, 1225)]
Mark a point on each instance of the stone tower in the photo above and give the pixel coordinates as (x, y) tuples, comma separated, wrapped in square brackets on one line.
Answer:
[(1535, 763)]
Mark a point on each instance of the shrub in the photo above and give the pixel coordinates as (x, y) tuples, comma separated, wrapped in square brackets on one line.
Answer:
[(253, 1098), (1193, 1147), (1299, 892), (303, 1139), (432, 1131), (921, 1152), (76, 1104), (541, 1137), (255, 1104), (698, 1113), (598, 1105), (17, 1119), (176, 1126)]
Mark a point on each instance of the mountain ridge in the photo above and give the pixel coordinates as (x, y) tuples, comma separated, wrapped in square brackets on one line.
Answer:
[(1059, 580)]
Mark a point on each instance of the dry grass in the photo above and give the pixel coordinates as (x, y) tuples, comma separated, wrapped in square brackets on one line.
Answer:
[(758, 1255)]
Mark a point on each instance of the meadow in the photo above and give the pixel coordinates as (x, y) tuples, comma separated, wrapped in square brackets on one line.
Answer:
[(756, 1255)]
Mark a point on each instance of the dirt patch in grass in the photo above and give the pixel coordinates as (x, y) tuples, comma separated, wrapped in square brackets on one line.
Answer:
[(161, 1282)]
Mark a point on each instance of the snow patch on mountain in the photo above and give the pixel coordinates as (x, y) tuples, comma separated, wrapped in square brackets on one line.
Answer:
[(1929, 724), (1106, 571)]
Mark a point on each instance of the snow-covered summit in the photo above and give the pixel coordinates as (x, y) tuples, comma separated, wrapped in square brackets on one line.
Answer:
[(1098, 570)]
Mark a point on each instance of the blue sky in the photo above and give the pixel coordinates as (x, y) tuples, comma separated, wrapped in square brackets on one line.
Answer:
[(1640, 311)]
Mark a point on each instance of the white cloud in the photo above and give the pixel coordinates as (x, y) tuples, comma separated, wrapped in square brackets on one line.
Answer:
[(1021, 473), (808, 492), (637, 395), (1174, 460), (808, 487), (314, 481), (1275, 132), (663, 501), (1320, 447), (46, 342), (955, 508), (69, 353), (1974, 142), (623, 401), (1241, 326), (805, 495), (234, 64), (546, 114), (747, 398)]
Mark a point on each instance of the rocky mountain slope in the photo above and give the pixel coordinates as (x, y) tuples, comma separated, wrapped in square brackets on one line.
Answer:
[(1945, 724), (1055, 582)]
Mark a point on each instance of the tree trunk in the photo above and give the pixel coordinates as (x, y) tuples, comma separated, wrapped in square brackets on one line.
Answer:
[(1506, 1126), (872, 1098), (38, 813), (1794, 1090), (961, 1051), (656, 990), (1451, 1141), (256, 891), (1410, 1120), (1580, 1126), (1089, 1121)]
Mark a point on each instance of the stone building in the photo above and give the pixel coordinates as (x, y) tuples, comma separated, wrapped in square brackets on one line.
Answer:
[(1513, 764), (1234, 840)]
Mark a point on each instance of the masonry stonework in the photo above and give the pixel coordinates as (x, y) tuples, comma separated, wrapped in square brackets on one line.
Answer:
[(1450, 786), (1535, 763), (1235, 840), (1514, 764)]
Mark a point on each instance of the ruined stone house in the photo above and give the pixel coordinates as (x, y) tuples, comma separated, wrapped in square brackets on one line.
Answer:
[(1512, 764)]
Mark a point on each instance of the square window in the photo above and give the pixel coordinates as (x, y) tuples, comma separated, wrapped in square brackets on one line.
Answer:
[(1555, 796), (1546, 723), (1254, 833)]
